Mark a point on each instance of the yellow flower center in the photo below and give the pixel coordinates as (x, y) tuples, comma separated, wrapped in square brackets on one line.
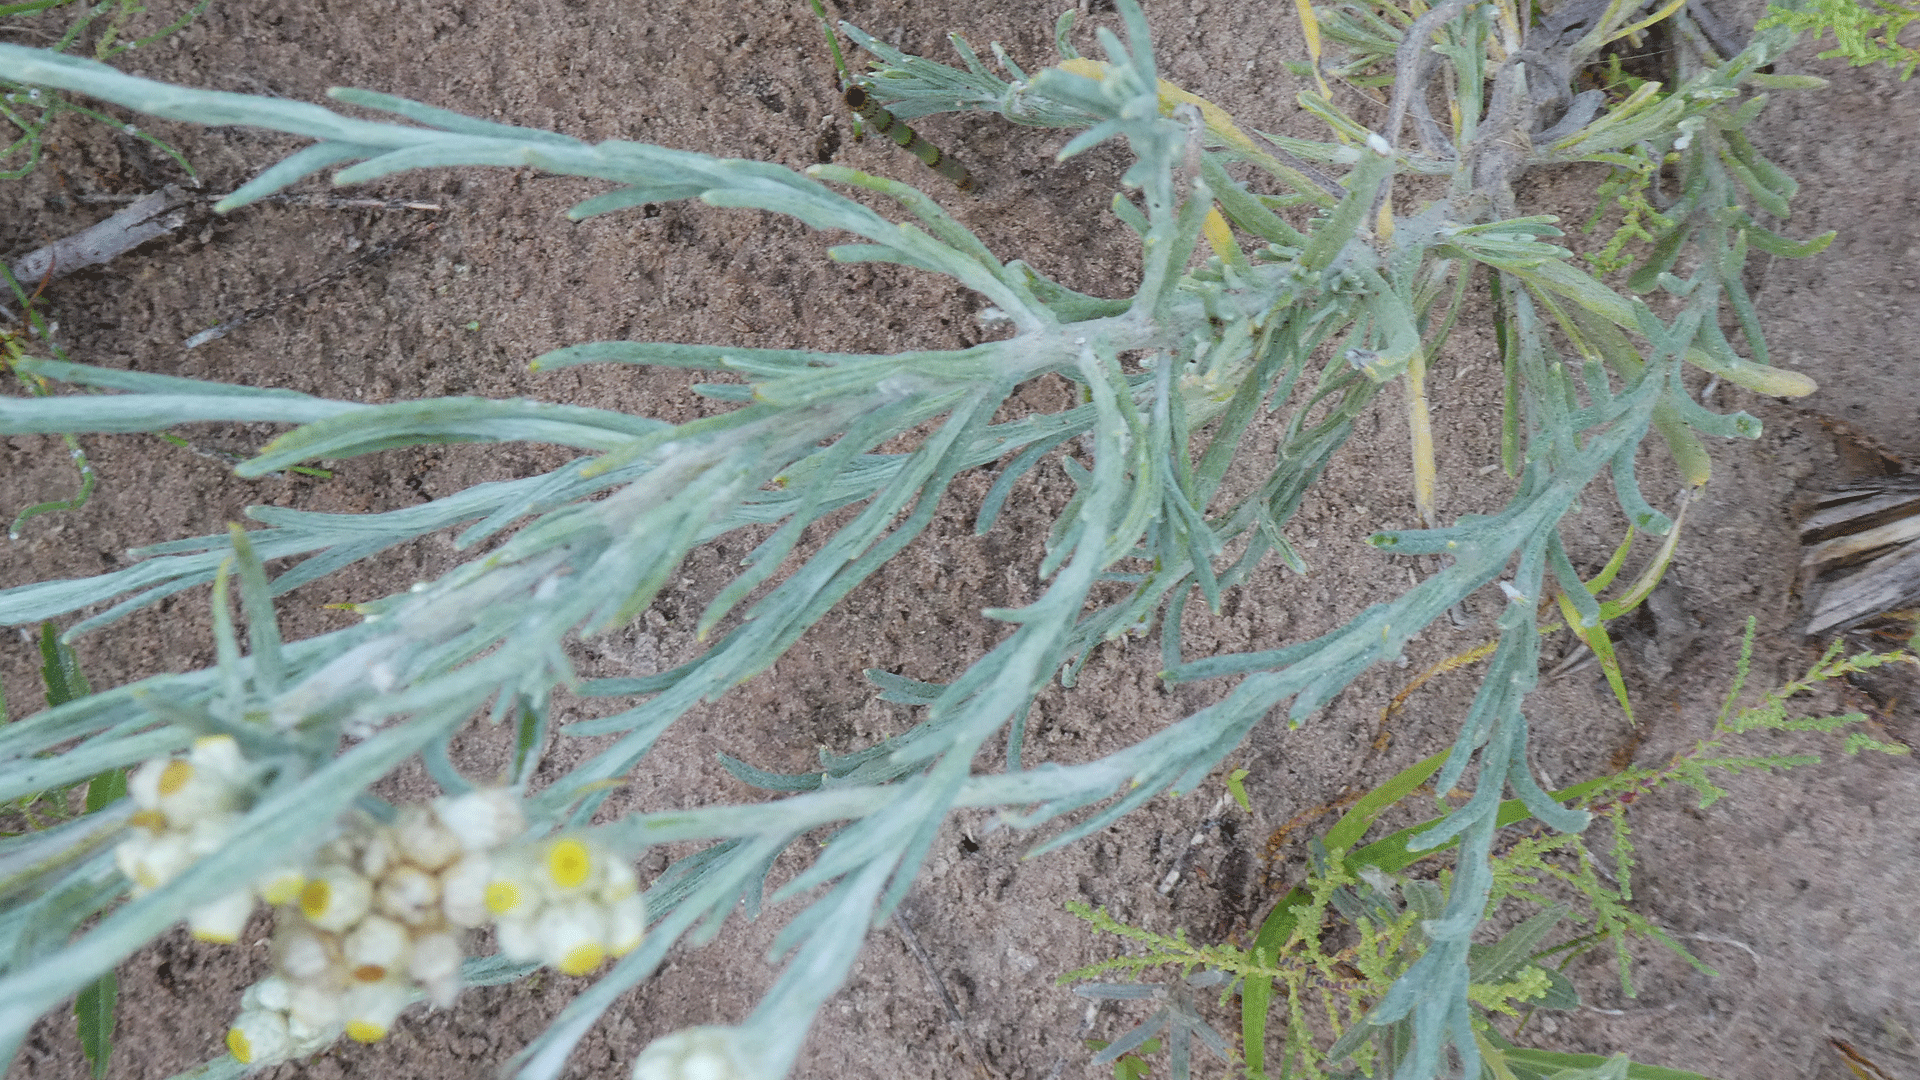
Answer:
[(502, 897), (365, 1031), (568, 863), (150, 820), (370, 973), (238, 1046), (582, 958), (283, 888), (315, 898), (175, 776)]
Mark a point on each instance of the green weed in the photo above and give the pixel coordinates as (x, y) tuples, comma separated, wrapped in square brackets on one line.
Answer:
[(1322, 968)]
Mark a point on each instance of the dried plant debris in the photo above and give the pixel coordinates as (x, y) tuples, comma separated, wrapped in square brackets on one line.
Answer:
[(1859, 557)]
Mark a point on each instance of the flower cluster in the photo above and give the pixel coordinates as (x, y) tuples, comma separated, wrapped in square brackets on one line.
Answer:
[(186, 807), (376, 924), (375, 919), (566, 904)]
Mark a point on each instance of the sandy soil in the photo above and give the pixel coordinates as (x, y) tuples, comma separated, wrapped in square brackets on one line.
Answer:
[(1797, 889)]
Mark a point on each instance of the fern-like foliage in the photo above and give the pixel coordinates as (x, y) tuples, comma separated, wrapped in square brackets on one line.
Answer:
[(1360, 920), (1864, 31)]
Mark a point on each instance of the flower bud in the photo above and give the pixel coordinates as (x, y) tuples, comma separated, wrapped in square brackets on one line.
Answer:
[(436, 966), (316, 1006), (222, 920), (375, 949), (442, 993), (513, 890), (269, 993), (371, 1008), (626, 924), (344, 850), (310, 1040), (436, 957), (335, 898), (423, 841), (463, 891), (143, 783), (303, 954), (573, 936), (152, 862), (409, 894), (519, 939), (620, 881), (185, 791), (483, 819), (219, 758), (378, 854), (259, 1037)]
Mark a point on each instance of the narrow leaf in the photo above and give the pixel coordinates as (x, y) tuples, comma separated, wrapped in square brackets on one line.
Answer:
[(93, 1012)]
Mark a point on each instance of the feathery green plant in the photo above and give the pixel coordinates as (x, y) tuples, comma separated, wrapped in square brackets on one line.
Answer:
[(1864, 31), (13, 349), (1337, 942), (1304, 303)]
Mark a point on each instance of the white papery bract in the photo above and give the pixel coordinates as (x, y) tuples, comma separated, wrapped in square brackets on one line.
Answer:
[(514, 889), (435, 965), (270, 1029), (271, 993), (303, 954), (280, 885), (626, 924), (150, 861), (519, 939), (212, 778)]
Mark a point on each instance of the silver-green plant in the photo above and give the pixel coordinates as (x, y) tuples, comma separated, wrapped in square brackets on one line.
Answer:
[(1352, 294)]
